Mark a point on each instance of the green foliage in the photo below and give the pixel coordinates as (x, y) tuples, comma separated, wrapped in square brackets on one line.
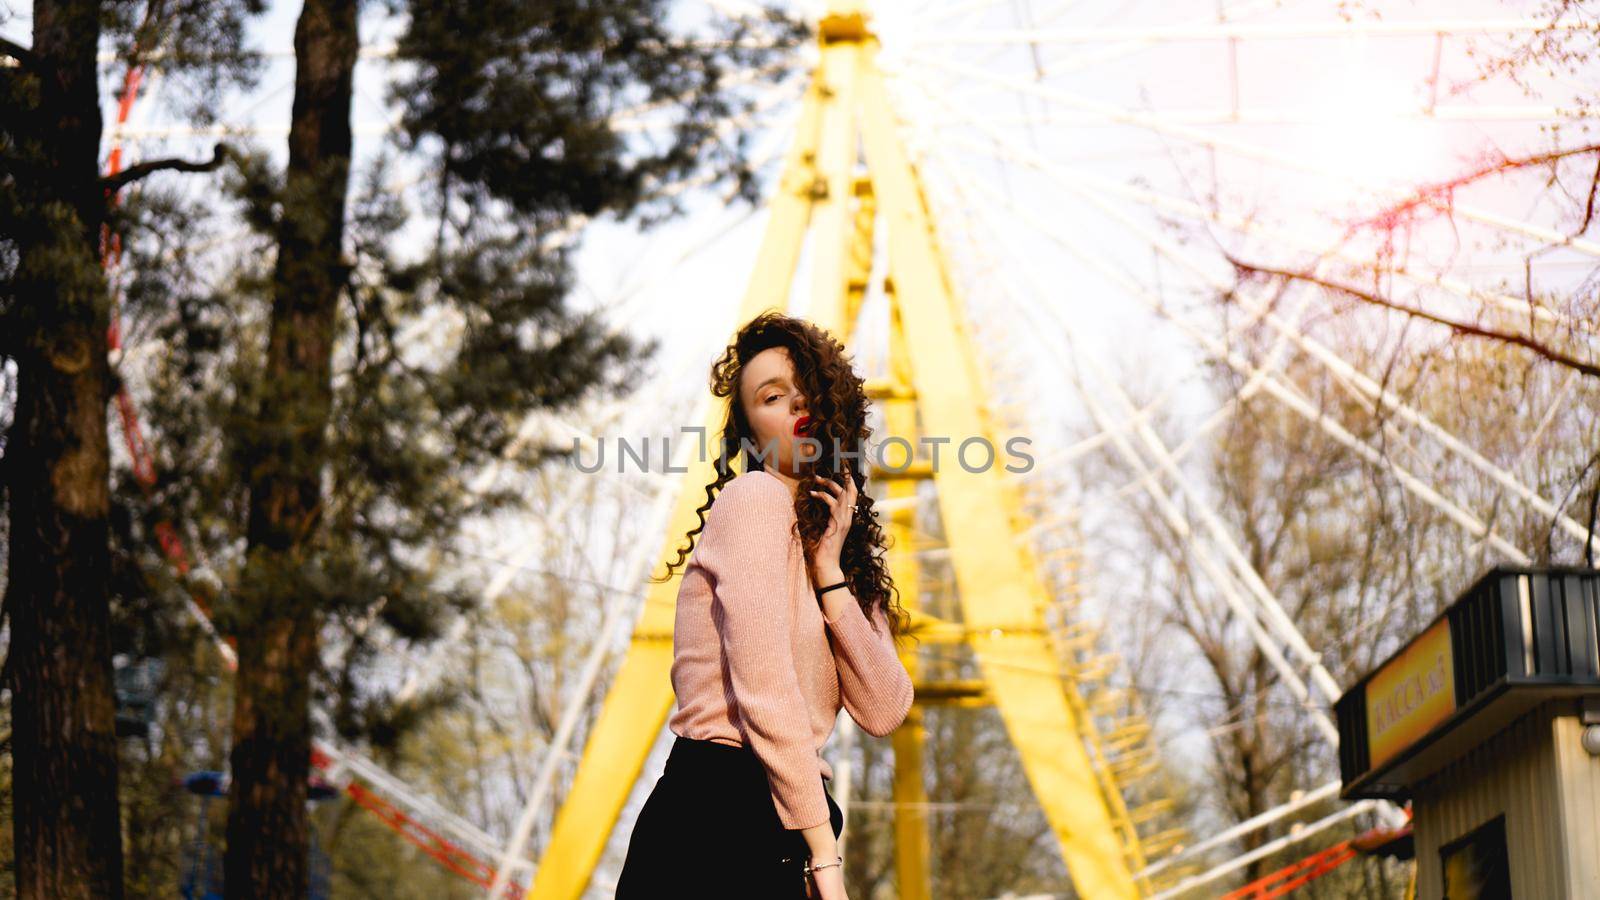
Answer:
[(198, 46), (515, 102)]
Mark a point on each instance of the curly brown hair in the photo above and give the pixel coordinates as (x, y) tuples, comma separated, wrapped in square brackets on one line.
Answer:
[(837, 404)]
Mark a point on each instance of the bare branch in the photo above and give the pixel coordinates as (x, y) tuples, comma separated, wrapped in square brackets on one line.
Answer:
[(1588, 207), (1588, 544), (1594, 508), (117, 182), (1455, 325), (1433, 195)]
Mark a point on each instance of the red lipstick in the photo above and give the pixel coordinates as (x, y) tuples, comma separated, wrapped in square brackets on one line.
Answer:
[(802, 424)]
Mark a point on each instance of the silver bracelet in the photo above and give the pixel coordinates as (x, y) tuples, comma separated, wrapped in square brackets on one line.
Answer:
[(811, 868)]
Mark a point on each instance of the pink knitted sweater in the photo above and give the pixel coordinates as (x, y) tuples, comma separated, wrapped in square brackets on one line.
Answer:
[(756, 663)]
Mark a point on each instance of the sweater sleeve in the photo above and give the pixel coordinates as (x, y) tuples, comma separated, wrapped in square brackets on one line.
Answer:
[(744, 549), (876, 688)]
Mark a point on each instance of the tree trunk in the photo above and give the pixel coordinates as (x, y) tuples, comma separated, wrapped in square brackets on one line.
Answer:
[(279, 615), (63, 744)]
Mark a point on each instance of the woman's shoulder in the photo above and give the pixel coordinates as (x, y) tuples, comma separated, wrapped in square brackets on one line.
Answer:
[(752, 521), (751, 497), (757, 489)]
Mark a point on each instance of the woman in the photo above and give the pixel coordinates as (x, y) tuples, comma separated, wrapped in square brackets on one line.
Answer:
[(783, 616)]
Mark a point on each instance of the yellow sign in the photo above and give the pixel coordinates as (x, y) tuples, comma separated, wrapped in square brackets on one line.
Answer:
[(1410, 695)]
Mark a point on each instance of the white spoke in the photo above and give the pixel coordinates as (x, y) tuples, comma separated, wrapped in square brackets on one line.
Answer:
[(1267, 849), (1544, 235), (1366, 386), (1242, 30)]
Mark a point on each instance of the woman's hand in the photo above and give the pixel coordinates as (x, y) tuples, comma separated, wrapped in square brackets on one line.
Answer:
[(841, 499)]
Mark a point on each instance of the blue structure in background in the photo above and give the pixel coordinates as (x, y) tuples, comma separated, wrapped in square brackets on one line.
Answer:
[(202, 866), (135, 681)]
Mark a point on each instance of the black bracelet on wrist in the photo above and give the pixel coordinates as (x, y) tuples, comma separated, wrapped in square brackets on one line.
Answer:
[(821, 591)]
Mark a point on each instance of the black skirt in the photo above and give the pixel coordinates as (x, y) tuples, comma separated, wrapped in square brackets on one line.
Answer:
[(709, 829)]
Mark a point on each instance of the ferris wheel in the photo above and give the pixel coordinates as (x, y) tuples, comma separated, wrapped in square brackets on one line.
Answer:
[(1009, 207)]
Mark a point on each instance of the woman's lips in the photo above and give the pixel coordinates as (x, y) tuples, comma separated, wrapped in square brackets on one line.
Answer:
[(802, 424)]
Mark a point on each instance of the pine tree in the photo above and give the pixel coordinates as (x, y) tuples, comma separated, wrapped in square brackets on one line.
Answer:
[(54, 316)]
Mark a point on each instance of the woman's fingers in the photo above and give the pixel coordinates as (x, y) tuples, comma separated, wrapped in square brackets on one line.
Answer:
[(841, 499)]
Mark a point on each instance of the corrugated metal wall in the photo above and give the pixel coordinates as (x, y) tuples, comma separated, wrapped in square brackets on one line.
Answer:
[(1537, 773)]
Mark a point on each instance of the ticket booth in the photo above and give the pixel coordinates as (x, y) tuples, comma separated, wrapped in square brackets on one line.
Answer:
[(1488, 722)]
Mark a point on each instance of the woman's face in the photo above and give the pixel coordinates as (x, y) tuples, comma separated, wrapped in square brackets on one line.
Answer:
[(775, 409)]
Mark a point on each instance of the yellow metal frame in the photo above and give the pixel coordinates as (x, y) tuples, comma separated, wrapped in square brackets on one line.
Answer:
[(934, 379)]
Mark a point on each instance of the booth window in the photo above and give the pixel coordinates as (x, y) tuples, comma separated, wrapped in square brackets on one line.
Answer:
[(1475, 866)]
